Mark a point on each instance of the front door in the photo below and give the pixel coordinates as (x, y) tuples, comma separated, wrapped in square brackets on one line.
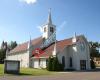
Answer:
[(82, 64)]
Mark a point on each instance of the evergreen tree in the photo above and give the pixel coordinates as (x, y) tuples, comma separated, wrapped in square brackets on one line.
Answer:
[(94, 49), (49, 64), (12, 45), (4, 48), (2, 55), (54, 65)]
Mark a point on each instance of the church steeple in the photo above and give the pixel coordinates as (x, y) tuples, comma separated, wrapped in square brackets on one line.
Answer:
[(49, 31), (49, 21), (48, 28)]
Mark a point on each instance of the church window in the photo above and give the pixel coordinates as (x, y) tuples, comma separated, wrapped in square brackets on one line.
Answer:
[(82, 47), (63, 61), (45, 29), (70, 64), (51, 29)]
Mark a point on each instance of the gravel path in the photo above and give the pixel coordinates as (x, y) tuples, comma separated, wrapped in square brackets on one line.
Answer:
[(58, 76)]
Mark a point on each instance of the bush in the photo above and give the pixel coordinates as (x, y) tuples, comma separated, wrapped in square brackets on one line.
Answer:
[(54, 65), (49, 64), (92, 64), (2, 55)]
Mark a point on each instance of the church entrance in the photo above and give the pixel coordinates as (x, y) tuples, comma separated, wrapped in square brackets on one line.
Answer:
[(82, 64)]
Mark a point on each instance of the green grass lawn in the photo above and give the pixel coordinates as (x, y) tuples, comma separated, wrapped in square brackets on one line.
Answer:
[(28, 71), (35, 72), (1, 69)]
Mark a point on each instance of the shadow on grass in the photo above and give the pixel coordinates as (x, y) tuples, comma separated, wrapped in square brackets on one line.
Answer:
[(20, 74), (24, 74)]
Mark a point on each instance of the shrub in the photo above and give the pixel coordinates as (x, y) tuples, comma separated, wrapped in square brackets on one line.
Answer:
[(92, 64), (49, 64), (54, 65)]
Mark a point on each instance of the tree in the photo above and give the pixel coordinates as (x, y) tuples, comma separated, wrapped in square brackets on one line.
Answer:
[(54, 65), (94, 52), (94, 49), (4, 48), (92, 64), (49, 64), (12, 45), (4, 45), (2, 55)]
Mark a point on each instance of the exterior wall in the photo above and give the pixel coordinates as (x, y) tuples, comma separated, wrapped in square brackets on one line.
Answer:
[(39, 63), (47, 33), (43, 63), (75, 52), (81, 53), (84, 54), (36, 63), (61, 54), (23, 57), (68, 53)]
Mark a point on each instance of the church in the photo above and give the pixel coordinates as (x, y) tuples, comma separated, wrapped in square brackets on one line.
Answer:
[(73, 52)]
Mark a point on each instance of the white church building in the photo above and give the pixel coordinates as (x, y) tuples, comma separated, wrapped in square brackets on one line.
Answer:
[(73, 53)]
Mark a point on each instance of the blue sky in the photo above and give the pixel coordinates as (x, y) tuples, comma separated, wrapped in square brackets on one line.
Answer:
[(20, 18)]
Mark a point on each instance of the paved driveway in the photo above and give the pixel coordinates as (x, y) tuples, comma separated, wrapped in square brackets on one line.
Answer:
[(58, 76)]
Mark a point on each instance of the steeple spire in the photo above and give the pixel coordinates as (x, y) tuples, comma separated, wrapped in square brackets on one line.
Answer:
[(29, 43), (49, 17)]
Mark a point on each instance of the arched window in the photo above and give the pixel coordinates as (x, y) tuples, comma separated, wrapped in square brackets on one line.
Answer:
[(63, 61), (70, 62)]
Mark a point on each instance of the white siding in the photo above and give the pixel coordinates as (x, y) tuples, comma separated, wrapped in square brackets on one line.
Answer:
[(77, 54), (23, 57), (36, 63), (43, 63), (39, 63)]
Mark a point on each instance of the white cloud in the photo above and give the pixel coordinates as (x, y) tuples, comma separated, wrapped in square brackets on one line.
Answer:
[(28, 1)]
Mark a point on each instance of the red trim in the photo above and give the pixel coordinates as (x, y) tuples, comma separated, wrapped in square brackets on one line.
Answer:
[(37, 52)]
